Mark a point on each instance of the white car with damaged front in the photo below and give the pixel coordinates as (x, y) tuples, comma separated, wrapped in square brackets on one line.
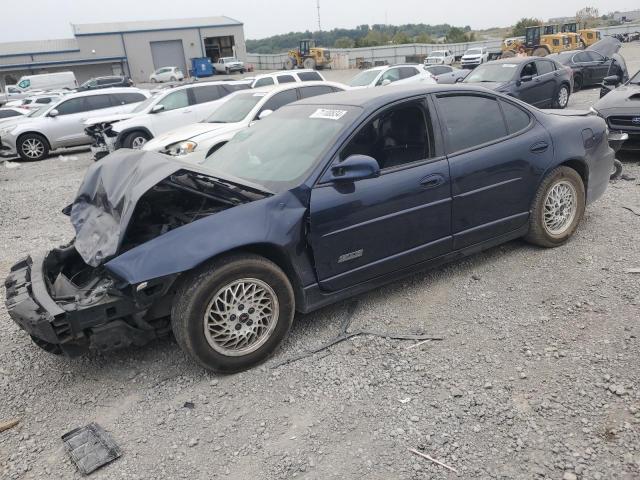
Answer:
[(194, 143), (391, 75)]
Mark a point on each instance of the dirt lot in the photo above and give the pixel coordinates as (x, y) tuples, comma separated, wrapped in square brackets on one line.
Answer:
[(536, 376)]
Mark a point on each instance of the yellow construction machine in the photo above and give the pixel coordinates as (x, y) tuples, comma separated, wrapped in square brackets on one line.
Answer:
[(309, 56), (538, 41)]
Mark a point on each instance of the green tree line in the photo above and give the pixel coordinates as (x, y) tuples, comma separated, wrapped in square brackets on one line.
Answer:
[(364, 36)]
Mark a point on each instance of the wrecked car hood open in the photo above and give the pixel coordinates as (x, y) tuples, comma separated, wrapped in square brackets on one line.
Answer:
[(137, 196)]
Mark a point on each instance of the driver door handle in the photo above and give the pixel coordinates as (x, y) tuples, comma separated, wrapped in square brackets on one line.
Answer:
[(432, 181)]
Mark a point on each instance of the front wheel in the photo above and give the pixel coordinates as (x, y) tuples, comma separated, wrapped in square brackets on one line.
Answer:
[(233, 313), (135, 140), (562, 97), (33, 147), (616, 170), (557, 208), (577, 83)]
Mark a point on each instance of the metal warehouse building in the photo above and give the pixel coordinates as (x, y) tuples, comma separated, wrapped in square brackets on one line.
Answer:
[(130, 48)]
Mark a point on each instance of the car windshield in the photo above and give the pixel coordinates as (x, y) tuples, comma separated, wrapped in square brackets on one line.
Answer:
[(265, 155), (497, 72), (144, 105), (236, 108), (474, 51), (364, 78)]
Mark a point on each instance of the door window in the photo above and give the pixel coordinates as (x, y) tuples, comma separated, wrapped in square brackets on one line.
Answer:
[(208, 93), (306, 92), (71, 106), (544, 66), (400, 135), (127, 98), (179, 99), (98, 102), (594, 57), (529, 70), (286, 79), (280, 100), (516, 118), (393, 75), (408, 72), (465, 122)]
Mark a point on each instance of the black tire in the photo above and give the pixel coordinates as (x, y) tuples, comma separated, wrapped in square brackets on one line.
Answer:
[(173, 79), (508, 54), (133, 139), (51, 348), (577, 83), (33, 147), (198, 289), (617, 170), (540, 52), (539, 234), (561, 99)]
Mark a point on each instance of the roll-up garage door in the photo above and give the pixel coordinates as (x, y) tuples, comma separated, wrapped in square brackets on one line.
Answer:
[(169, 53)]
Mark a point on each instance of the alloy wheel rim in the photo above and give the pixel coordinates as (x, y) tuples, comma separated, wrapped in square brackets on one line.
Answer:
[(33, 148), (241, 317), (138, 143), (560, 207), (563, 97)]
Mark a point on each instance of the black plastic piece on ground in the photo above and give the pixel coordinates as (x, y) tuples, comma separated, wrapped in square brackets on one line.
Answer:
[(90, 447)]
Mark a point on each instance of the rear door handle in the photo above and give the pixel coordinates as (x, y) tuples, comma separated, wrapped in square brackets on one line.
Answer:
[(432, 181), (539, 147)]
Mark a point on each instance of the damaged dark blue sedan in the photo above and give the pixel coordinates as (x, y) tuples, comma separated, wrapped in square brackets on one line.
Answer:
[(327, 198)]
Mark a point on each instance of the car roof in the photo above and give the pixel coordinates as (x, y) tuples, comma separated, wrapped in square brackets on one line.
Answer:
[(105, 91), (284, 72), (373, 98)]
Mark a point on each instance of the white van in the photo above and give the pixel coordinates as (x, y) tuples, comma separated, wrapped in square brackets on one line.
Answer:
[(48, 81)]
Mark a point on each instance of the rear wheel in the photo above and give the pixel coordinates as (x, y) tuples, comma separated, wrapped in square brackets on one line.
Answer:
[(51, 348), (135, 140), (33, 147), (540, 52), (233, 313), (309, 63), (562, 97), (173, 79), (557, 208), (289, 64)]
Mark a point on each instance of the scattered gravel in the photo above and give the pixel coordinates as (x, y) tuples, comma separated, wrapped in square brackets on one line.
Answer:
[(537, 376)]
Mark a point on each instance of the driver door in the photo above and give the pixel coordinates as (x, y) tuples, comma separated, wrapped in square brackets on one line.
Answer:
[(177, 112), (366, 228)]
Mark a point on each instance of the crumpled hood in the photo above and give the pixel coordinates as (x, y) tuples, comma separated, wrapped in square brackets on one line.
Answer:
[(624, 98), (195, 132), (108, 196)]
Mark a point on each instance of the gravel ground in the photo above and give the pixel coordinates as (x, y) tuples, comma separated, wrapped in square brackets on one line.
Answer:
[(536, 376)]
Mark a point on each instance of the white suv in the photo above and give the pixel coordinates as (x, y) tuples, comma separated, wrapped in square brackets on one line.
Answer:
[(440, 57), (167, 74), (387, 75), (286, 76), (474, 57), (165, 111), (61, 124), (194, 143)]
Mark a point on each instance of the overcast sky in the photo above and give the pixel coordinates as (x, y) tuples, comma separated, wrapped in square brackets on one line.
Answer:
[(43, 19)]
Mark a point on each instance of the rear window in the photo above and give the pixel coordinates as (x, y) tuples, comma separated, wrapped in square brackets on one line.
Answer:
[(545, 66), (516, 118), (408, 72), (465, 121), (279, 100), (309, 76), (306, 92), (263, 82)]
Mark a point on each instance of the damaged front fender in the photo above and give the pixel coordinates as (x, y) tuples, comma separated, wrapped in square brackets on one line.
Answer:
[(277, 221)]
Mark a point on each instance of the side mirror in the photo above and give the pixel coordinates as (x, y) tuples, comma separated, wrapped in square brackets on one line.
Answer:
[(526, 78), (157, 108), (264, 114), (355, 167), (54, 113), (611, 80), (386, 82)]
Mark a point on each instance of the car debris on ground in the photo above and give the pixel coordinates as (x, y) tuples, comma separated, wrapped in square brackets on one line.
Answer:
[(90, 447)]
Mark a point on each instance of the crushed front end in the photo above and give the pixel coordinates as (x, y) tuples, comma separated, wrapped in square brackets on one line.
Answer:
[(68, 307), (104, 139)]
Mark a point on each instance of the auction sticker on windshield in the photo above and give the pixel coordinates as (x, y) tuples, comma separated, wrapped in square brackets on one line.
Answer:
[(328, 114)]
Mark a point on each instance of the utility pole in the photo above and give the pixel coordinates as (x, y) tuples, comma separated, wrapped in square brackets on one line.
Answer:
[(319, 23)]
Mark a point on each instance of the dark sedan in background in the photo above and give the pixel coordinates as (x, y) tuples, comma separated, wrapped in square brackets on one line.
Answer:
[(384, 182), (592, 65), (539, 81), (105, 82), (621, 110)]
